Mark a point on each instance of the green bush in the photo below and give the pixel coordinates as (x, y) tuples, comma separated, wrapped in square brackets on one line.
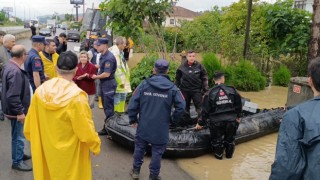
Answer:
[(281, 77), (144, 68), (212, 64), (245, 76)]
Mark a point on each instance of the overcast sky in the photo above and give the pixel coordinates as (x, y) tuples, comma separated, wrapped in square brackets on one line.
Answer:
[(34, 8)]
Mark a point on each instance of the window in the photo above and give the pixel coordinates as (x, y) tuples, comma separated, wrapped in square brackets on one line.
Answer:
[(171, 21), (300, 4)]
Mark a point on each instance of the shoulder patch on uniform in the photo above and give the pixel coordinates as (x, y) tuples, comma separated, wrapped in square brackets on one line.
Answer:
[(37, 64), (38, 58), (107, 65)]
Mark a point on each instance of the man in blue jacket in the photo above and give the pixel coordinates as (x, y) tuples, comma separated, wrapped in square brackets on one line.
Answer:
[(298, 146), (152, 101)]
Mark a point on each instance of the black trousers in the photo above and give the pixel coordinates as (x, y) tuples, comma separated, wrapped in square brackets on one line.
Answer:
[(222, 137), (196, 97)]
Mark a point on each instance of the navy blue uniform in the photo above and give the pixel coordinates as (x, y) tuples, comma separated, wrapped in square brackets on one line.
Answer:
[(108, 85), (34, 64), (152, 101)]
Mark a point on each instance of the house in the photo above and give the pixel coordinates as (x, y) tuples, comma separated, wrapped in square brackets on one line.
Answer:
[(304, 4), (179, 14)]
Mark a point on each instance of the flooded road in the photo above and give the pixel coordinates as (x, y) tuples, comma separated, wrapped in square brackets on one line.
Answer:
[(253, 159)]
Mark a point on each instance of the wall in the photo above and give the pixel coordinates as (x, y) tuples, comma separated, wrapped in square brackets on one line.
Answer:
[(21, 34)]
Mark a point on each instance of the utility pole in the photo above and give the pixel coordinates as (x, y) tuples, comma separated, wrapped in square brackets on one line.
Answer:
[(77, 6), (247, 36), (83, 9), (15, 11)]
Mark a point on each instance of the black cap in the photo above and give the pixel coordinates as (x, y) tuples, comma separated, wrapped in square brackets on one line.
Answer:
[(218, 74), (101, 41), (40, 39), (67, 61), (161, 66)]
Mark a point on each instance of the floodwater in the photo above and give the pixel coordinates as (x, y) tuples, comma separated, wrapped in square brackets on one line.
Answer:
[(253, 159)]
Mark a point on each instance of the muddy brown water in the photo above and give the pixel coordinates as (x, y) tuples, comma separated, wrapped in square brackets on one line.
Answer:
[(253, 159)]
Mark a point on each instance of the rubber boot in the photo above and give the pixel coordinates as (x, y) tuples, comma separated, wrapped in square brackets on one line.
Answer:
[(230, 147), (100, 102), (218, 151)]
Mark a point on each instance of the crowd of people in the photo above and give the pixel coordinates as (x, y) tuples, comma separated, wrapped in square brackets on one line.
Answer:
[(48, 92), (62, 84)]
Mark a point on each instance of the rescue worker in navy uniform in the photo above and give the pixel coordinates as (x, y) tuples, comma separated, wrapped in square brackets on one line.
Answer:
[(34, 65), (108, 84), (149, 110), (222, 109), (192, 79)]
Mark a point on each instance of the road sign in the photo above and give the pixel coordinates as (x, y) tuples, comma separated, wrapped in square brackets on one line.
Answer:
[(76, 1), (8, 9)]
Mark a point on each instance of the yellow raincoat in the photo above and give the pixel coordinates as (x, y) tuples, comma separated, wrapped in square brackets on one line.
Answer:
[(61, 132), (49, 66)]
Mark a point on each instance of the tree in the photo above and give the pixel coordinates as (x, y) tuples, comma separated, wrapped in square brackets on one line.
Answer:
[(68, 17), (279, 30), (314, 49), (2, 16), (126, 17), (202, 34), (232, 29)]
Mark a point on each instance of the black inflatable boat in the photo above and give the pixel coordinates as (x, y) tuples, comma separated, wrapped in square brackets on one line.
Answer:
[(188, 142)]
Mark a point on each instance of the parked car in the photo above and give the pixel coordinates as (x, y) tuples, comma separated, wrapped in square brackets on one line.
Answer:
[(64, 26), (73, 35), (45, 32), (50, 26)]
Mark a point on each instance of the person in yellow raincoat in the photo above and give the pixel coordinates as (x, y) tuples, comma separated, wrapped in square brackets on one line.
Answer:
[(122, 75), (60, 128), (49, 58)]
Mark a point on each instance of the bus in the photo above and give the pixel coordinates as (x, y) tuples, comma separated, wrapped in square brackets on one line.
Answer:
[(34, 22)]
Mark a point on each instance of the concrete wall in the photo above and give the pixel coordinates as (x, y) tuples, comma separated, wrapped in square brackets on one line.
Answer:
[(21, 33)]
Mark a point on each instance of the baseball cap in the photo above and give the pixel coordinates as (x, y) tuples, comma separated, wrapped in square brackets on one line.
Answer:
[(67, 61), (161, 66), (40, 39), (101, 41)]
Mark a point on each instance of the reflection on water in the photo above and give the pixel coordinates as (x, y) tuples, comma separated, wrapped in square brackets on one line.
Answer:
[(253, 159)]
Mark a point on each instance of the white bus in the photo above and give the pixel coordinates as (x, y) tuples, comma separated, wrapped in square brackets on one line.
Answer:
[(34, 22)]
